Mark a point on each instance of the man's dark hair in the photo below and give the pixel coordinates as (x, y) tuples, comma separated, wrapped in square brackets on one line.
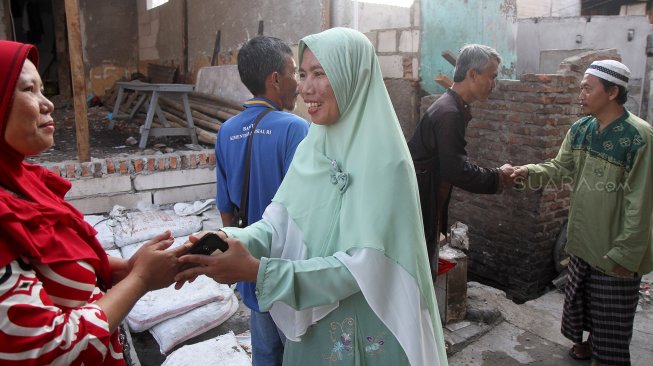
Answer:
[(258, 58), (622, 98)]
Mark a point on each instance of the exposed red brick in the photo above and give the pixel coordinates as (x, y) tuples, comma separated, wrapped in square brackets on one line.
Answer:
[(111, 168), (542, 78), (150, 164), (70, 170), (162, 164), (173, 162), (138, 165), (123, 167), (86, 172)]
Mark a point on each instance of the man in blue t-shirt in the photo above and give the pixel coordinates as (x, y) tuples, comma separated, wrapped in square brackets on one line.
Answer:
[(267, 68)]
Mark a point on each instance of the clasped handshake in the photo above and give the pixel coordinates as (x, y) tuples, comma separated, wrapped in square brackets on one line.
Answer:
[(159, 264), (512, 175)]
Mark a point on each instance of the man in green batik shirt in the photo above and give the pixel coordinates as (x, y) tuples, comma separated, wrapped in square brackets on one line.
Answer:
[(607, 157)]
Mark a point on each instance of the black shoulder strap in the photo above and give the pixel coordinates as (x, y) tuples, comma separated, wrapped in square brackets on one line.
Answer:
[(244, 194)]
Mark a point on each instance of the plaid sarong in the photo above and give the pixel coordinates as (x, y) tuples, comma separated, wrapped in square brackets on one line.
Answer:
[(605, 307)]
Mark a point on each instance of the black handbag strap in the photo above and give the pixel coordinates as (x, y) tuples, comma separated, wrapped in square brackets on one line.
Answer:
[(244, 194)]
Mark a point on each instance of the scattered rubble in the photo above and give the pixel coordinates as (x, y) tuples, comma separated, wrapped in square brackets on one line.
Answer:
[(103, 143), (646, 293)]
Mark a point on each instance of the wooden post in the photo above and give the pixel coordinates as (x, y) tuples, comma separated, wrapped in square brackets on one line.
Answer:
[(63, 64), (6, 15), (79, 80), (216, 49), (184, 42), (326, 14)]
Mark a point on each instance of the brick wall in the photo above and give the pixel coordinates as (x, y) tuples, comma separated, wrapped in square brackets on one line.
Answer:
[(512, 235), (138, 181)]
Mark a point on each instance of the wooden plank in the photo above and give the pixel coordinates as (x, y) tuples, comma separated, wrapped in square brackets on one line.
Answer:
[(443, 80), (216, 99), (216, 49), (450, 57), (126, 105), (202, 135), (79, 80)]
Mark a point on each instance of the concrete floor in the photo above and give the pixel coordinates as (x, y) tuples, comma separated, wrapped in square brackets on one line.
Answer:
[(530, 333), (523, 334)]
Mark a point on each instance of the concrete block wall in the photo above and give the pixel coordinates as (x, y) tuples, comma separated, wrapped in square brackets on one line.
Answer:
[(512, 235), (139, 181), (397, 50), (397, 45)]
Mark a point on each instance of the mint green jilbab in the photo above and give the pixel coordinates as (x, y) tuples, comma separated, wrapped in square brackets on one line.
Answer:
[(344, 269)]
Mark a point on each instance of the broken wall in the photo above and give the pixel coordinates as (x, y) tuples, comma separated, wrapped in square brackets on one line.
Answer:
[(577, 33), (547, 8), (109, 42), (394, 31), (512, 235), (166, 38)]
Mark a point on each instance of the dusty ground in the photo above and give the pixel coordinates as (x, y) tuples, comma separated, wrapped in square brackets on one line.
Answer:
[(102, 141)]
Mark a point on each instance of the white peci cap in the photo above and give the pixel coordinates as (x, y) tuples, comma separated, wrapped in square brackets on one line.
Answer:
[(610, 70)]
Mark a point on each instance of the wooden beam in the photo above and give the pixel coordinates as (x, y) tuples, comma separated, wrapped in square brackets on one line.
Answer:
[(8, 20), (79, 80), (326, 14), (184, 42), (216, 49), (449, 56), (443, 80)]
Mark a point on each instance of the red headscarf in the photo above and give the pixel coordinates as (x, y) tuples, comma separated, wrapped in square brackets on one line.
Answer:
[(35, 220)]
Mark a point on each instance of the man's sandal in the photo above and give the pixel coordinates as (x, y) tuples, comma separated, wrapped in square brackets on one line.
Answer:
[(580, 356)]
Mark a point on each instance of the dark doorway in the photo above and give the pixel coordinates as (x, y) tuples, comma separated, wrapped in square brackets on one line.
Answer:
[(42, 24)]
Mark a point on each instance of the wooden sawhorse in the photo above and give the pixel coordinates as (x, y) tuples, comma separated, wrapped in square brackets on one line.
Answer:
[(150, 97)]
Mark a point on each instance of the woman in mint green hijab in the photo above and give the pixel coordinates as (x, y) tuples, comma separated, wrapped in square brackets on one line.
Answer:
[(339, 256)]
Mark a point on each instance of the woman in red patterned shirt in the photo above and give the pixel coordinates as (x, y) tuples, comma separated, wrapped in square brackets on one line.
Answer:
[(54, 305)]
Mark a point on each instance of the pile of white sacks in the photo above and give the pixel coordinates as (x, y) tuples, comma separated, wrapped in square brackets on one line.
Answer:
[(174, 316)]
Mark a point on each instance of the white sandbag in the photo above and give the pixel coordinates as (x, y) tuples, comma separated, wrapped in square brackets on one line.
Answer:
[(104, 231), (212, 219), (222, 350), (136, 227), (157, 306), (129, 250), (195, 208), (174, 331)]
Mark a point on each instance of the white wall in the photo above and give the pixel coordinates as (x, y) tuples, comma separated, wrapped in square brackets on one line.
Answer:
[(370, 16), (547, 8), (599, 33)]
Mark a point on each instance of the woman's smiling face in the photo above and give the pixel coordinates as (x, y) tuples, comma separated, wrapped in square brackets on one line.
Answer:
[(315, 89)]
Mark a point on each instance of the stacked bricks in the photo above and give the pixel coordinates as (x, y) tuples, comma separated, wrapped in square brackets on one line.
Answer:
[(138, 181), (512, 235)]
